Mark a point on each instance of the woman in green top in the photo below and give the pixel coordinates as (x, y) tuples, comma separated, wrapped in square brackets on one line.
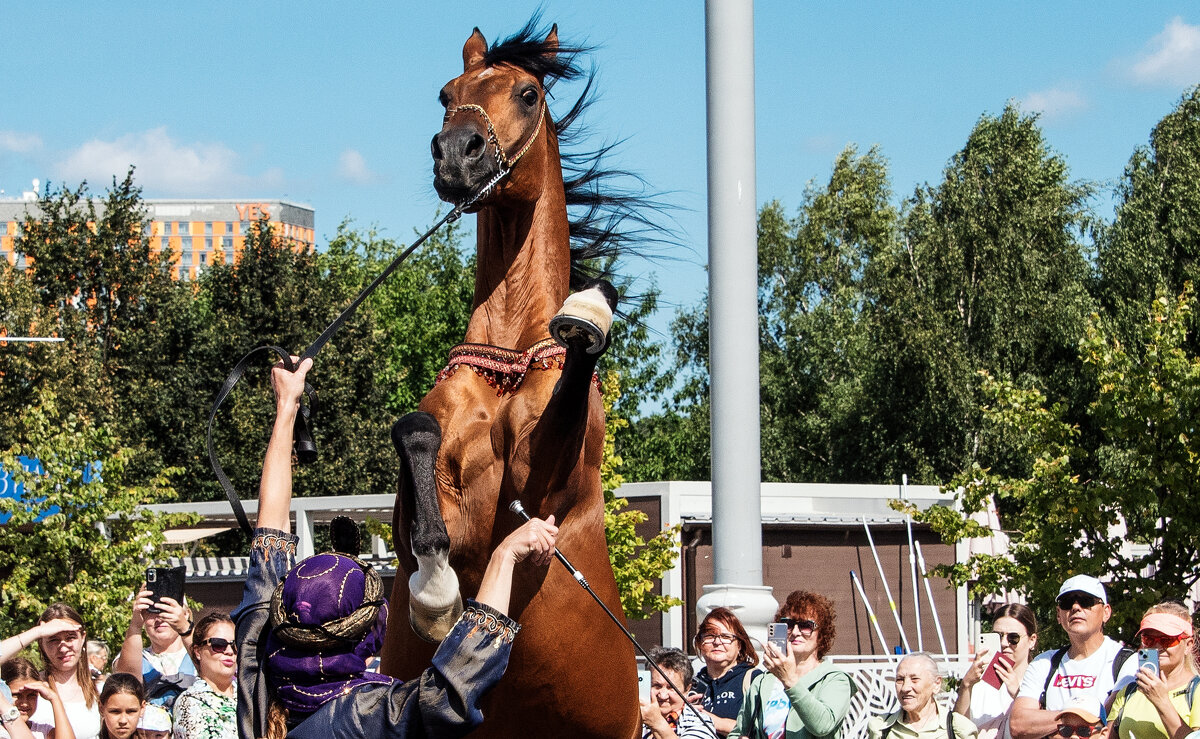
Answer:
[(1163, 703), (799, 696)]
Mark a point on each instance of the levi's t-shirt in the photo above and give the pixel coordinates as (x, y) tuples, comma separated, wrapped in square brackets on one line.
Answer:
[(1075, 678)]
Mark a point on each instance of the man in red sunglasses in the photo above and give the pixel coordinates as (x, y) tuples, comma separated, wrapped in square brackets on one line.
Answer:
[(1090, 668)]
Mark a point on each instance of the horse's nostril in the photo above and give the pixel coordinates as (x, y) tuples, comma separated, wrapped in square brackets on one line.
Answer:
[(474, 147), (436, 148)]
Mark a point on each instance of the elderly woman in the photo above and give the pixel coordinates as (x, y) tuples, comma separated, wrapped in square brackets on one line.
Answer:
[(917, 686), (729, 666), (665, 716), (800, 696), (1162, 704), (305, 632), (989, 707)]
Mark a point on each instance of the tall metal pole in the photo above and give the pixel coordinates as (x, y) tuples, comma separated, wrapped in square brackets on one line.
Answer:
[(733, 316)]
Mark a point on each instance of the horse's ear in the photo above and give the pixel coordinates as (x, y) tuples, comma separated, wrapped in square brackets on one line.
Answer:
[(474, 50), (551, 42)]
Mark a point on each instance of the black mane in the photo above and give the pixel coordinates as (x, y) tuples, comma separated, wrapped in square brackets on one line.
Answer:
[(607, 220)]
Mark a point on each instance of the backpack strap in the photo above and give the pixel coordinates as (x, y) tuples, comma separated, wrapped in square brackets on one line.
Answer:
[(1123, 654), (949, 724), (1130, 689), (745, 683), (1191, 691), (1055, 660)]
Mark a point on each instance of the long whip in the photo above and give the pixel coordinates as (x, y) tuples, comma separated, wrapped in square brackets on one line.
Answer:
[(519, 509)]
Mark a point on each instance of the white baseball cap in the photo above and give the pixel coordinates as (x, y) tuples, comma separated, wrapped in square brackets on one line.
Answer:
[(1084, 584)]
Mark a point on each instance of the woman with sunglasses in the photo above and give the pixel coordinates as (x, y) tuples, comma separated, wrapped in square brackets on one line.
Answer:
[(208, 709), (1162, 704), (729, 666), (799, 696), (988, 706)]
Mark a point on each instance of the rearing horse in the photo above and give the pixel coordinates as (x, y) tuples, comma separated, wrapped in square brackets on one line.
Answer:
[(515, 416)]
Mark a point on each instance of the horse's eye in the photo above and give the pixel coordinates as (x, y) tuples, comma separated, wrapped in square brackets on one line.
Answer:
[(443, 99), (529, 96)]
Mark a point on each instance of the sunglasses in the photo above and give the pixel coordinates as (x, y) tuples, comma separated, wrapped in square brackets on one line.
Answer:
[(806, 625), (219, 645), (1083, 731), (1085, 601), (1155, 640), (1012, 637)]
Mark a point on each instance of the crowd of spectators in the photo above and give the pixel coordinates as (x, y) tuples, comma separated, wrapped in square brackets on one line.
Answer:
[(1093, 687)]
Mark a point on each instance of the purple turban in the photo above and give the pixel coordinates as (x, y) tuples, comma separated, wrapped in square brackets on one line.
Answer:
[(327, 620)]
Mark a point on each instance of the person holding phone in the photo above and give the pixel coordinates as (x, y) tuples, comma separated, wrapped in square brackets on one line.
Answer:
[(1162, 704), (164, 666), (799, 696), (990, 685)]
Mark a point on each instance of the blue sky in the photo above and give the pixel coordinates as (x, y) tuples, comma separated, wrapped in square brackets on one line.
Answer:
[(334, 106)]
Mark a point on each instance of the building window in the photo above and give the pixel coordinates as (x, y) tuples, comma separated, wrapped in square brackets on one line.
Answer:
[(208, 241), (183, 228), (20, 260), (227, 242), (203, 259), (229, 227), (185, 259), (208, 228)]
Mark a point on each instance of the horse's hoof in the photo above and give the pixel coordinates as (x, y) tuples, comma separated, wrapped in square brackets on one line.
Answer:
[(587, 315), (432, 625)]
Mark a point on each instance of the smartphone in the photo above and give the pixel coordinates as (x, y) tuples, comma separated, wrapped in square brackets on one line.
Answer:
[(1148, 658), (164, 582), (643, 686), (989, 641), (777, 634)]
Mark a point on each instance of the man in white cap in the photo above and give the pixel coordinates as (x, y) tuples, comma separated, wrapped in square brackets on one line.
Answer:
[(1090, 668)]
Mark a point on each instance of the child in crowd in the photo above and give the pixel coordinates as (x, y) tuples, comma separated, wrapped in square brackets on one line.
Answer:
[(27, 686), (155, 723), (120, 706)]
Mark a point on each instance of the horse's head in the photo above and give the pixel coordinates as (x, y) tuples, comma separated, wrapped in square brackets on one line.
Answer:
[(496, 117)]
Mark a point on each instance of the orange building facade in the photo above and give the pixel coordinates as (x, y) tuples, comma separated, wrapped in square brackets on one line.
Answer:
[(197, 233)]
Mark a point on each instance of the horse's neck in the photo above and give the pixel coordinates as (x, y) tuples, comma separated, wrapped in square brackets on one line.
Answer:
[(522, 273)]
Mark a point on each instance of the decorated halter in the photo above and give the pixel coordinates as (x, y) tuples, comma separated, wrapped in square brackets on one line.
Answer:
[(502, 160)]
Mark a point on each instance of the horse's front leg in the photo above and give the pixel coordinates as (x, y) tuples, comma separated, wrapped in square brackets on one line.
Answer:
[(434, 598), (552, 449)]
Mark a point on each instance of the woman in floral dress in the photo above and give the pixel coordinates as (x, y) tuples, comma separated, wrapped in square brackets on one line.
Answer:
[(208, 709)]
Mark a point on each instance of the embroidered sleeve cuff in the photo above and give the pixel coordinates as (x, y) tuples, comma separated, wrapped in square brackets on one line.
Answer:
[(491, 620), (269, 540)]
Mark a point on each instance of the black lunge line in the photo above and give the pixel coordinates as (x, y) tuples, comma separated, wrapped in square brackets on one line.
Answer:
[(519, 509), (303, 443)]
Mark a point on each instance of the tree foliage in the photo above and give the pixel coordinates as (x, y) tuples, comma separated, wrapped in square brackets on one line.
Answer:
[(67, 539), (1127, 506)]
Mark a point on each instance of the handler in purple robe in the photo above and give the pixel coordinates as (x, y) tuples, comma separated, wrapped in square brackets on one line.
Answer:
[(306, 632)]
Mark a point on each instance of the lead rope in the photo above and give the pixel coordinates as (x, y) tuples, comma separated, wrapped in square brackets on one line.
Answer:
[(303, 443)]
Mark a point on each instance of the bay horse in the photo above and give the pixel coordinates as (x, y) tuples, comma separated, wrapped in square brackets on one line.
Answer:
[(515, 415)]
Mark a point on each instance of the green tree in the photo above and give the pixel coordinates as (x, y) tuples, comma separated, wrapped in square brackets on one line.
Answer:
[(1154, 243), (638, 564), (990, 272), (276, 293), (812, 298), (71, 540), (1123, 506)]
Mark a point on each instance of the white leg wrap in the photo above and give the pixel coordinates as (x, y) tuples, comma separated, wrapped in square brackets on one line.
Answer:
[(585, 312), (435, 602)]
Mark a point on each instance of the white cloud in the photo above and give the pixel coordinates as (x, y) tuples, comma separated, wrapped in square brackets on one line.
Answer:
[(164, 166), (1055, 103), (19, 143), (1170, 58), (352, 167)]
